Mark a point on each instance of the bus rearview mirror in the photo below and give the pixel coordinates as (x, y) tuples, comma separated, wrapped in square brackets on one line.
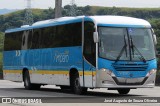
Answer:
[(95, 37), (155, 39)]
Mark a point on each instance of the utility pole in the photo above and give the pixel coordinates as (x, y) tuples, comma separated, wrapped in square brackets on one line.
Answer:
[(58, 8), (28, 15)]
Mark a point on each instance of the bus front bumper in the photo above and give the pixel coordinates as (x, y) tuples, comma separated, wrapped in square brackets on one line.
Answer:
[(105, 79)]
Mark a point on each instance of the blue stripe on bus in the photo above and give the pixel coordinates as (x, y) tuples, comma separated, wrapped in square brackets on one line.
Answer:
[(64, 58)]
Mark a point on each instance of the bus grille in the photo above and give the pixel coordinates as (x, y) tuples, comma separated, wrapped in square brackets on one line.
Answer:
[(130, 67)]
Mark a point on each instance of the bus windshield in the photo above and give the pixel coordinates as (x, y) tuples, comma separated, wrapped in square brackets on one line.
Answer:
[(126, 44)]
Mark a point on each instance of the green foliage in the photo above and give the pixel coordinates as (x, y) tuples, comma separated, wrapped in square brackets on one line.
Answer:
[(0, 62), (16, 19), (144, 13), (1, 48), (156, 26), (1, 41)]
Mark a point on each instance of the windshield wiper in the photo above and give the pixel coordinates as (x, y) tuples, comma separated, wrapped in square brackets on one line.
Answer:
[(133, 48), (122, 50)]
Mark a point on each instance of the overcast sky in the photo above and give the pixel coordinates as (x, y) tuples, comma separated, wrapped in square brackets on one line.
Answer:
[(20, 4)]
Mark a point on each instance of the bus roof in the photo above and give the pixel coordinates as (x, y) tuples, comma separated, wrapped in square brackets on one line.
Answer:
[(114, 21), (120, 21)]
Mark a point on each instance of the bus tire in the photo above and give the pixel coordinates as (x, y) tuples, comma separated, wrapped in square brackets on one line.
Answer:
[(123, 91), (27, 83), (75, 85)]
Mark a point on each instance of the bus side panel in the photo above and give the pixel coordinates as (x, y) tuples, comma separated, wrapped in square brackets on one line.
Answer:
[(89, 74), (52, 66), (12, 65)]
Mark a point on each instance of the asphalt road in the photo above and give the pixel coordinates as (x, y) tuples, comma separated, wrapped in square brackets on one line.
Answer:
[(52, 94)]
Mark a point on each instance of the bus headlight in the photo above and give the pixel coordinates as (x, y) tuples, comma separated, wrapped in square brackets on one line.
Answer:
[(151, 72), (107, 71)]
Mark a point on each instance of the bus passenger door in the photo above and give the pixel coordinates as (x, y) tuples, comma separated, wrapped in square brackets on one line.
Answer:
[(89, 55)]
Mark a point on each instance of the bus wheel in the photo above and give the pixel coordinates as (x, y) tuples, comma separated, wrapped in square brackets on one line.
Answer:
[(77, 89), (123, 91), (27, 83)]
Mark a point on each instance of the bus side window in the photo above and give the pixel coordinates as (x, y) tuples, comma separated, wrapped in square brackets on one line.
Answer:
[(36, 39), (25, 36), (13, 41), (30, 37), (89, 45)]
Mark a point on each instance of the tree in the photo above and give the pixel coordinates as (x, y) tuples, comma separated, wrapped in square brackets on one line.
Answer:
[(1, 41)]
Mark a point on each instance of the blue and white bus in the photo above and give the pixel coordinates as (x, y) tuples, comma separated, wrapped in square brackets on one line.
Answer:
[(113, 52)]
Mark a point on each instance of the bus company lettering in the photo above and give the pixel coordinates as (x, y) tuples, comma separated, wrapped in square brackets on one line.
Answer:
[(61, 57)]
